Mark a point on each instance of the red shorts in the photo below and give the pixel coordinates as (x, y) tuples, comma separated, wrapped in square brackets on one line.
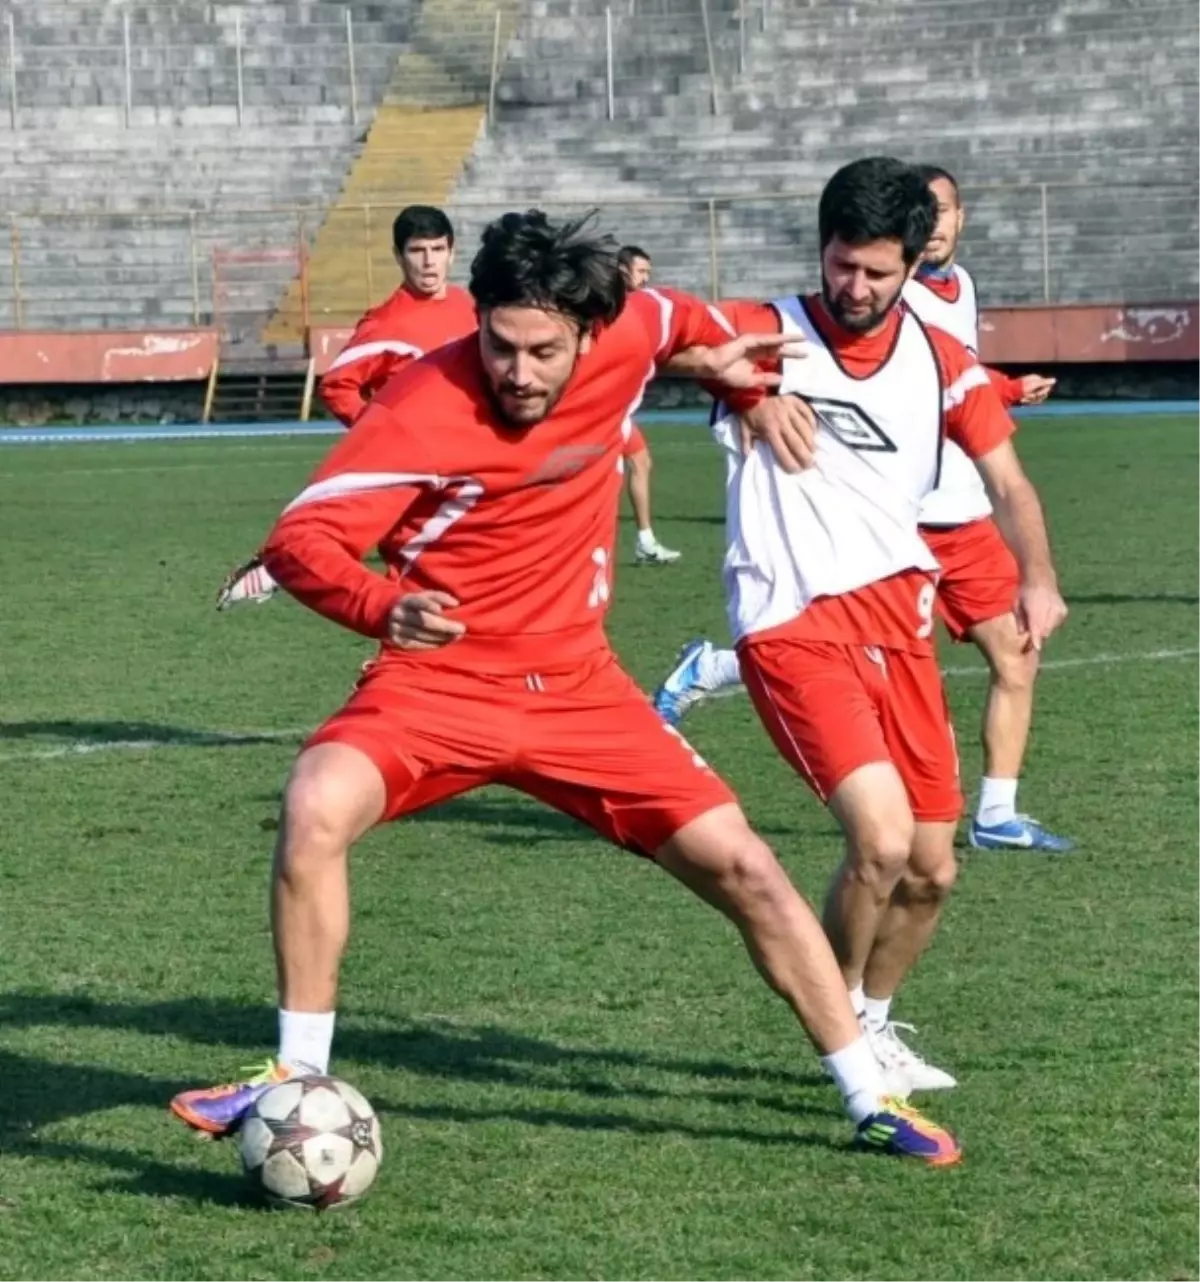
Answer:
[(586, 742), (636, 442), (831, 708), (979, 574)]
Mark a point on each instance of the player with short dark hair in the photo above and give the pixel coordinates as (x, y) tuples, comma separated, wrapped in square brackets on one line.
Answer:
[(486, 476), (979, 578), (831, 589), (637, 269), (637, 265), (422, 315)]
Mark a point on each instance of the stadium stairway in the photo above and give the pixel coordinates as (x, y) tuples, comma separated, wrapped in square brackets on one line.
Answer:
[(433, 113)]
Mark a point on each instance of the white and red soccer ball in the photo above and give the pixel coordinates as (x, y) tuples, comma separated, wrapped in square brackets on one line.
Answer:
[(311, 1142)]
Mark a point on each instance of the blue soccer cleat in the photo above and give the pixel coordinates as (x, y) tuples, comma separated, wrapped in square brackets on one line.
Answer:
[(220, 1110), (682, 689), (899, 1130), (1019, 833)]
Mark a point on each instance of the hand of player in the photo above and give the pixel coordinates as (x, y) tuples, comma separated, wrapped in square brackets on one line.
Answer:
[(1035, 388), (1039, 610), (735, 364), (418, 621), (789, 427)]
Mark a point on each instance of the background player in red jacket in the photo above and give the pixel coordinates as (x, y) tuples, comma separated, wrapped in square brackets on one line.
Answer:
[(424, 314), (497, 533), (637, 269)]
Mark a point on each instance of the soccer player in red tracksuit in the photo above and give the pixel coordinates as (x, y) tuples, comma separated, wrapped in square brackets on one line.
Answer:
[(638, 269), (425, 313), (978, 581), (497, 531), (831, 589)]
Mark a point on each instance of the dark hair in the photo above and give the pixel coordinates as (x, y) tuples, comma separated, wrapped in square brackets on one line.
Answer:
[(525, 260), (629, 253), (421, 222), (935, 173), (878, 198)]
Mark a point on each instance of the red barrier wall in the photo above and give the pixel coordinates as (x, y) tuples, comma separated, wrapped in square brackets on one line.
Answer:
[(1083, 333), (324, 344), (108, 356), (1092, 334)]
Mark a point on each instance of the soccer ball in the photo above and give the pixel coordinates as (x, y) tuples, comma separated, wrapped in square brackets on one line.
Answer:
[(313, 1141)]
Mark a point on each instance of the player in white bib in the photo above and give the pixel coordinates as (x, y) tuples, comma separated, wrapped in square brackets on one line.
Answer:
[(978, 581), (831, 589)]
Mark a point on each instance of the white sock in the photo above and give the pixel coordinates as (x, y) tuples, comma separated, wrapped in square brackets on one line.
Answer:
[(875, 1011), (306, 1038), (997, 801), (858, 999), (858, 1076), (718, 670), (646, 538)]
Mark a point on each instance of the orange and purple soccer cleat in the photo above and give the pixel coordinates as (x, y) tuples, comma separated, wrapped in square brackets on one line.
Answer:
[(899, 1130), (219, 1110)]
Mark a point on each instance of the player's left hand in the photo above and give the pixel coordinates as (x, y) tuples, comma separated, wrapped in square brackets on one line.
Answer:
[(1040, 610), (788, 425), (1035, 388)]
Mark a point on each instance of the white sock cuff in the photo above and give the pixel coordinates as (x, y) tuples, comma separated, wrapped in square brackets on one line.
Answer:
[(997, 800), (306, 1038), (876, 1011), (858, 1076)]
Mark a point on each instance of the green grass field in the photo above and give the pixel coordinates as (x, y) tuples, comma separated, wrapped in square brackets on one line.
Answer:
[(577, 1071)]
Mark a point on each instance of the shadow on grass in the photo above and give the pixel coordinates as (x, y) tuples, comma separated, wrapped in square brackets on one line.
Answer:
[(432, 1048), (151, 733), (1133, 598), (39, 1092)]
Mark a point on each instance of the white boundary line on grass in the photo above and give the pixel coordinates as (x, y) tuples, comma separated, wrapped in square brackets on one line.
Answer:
[(248, 738), (1087, 661)]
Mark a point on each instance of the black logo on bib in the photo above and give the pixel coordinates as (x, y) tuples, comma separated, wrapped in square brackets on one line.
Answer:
[(852, 425)]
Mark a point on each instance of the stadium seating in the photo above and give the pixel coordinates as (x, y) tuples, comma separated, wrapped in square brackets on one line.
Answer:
[(1093, 98), (165, 149), (140, 199)]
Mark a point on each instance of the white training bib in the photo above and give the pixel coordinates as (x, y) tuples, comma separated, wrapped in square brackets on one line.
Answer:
[(960, 495), (850, 519)]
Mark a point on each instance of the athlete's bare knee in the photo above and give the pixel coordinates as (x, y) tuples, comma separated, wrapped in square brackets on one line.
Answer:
[(933, 884), (881, 847), (333, 795), (724, 860), (752, 878), (1014, 668)]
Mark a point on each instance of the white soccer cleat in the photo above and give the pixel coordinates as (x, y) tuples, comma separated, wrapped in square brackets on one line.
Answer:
[(249, 582), (655, 554), (901, 1065)]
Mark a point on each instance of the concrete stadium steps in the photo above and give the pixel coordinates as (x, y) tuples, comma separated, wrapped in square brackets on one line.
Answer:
[(66, 171), (184, 54), (410, 156), (434, 108), (1094, 98)]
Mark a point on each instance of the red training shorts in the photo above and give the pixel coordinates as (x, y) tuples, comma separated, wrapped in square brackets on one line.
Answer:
[(635, 444), (831, 708), (586, 742), (979, 574)]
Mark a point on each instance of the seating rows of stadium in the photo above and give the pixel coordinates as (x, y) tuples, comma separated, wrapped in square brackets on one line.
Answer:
[(155, 157)]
